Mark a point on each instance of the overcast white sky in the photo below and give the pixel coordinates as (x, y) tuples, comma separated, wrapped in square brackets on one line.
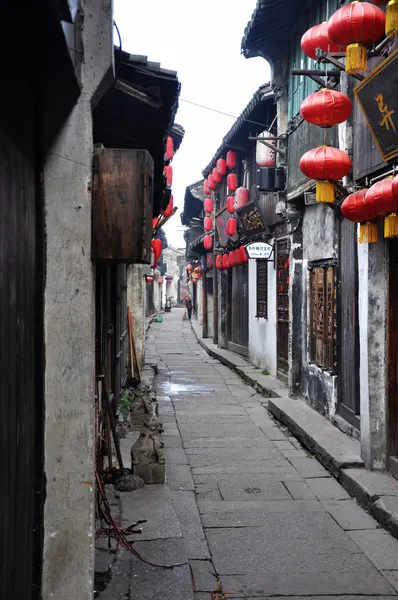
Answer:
[(201, 41)]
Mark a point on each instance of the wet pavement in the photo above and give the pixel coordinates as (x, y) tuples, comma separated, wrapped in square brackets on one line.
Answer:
[(243, 503)]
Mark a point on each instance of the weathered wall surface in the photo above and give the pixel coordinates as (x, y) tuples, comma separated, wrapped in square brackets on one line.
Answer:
[(136, 301), (262, 332), (69, 329)]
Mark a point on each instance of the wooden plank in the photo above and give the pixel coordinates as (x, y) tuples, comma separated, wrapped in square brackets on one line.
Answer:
[(122, 206)]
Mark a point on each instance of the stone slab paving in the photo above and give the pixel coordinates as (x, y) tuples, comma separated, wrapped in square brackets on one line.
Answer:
[(243, 500)]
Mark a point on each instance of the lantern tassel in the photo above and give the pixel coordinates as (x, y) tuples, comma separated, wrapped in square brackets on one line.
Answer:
[(368, 232), (356, 59), (325, 192), (391, 226), (392, 18)]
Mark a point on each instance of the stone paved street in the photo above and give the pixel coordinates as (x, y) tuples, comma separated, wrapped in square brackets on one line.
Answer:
[(243, 501)]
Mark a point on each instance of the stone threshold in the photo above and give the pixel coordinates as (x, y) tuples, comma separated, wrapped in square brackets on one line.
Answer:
[(340, 454)]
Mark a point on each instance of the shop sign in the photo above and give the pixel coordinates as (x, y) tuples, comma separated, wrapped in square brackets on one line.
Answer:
[(378, 99), (250, 219), (260, 251)]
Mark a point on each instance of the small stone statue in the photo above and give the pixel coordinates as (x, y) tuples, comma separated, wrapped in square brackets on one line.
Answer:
[(147, 456), (143, 404)]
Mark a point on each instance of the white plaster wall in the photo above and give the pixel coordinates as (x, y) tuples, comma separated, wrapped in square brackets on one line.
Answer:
[(262, 332), (199, 301), (210, 315), (136, 302), (69, 330), (363, 348)]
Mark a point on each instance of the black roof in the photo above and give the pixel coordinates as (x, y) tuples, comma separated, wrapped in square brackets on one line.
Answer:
[(193, 202)]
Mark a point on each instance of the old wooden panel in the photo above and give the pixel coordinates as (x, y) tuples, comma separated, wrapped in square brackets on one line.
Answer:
[(349, 406), (122, 206), (304, 138), (238, 308), (282, 295), (366, 155), (21, 347)]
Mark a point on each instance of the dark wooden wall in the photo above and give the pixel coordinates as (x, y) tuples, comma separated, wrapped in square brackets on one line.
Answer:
[(238, 309)]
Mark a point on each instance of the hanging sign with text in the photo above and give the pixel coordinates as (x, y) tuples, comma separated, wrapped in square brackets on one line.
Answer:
[(260, 251), (378, 99)]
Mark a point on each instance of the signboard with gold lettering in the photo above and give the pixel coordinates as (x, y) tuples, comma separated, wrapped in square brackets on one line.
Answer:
[(250, 219), (378, 99)]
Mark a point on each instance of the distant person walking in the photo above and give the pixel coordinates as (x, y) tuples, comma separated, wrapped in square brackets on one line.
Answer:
[(188, 304)]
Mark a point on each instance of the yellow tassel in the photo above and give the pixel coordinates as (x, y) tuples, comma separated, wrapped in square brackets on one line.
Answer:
[(391, 226), (325, 192), (356, 59), (392, 18), (368, 232)]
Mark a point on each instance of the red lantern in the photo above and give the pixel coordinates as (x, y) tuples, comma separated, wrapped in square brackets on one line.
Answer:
[(326, 108), (211, 182), (189, 268), (231, 204), (232, 182), (208, 224), (206, 187), (232, 258), (318, 37), (391, 15), (208, 242), (149, 279), (168, 171), (325, 164), (219, 264), (382, 198), (357, 25), (170, 207), (222, 166), (231, 226), (241, 197), (225, 261), (208, 204), (216, 175), (157, 247), (243, 254), (231, 159), (169, 148), (238, 258), (355, 208)]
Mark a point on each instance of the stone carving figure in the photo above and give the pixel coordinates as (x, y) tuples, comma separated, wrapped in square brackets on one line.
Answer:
[(148, 449)]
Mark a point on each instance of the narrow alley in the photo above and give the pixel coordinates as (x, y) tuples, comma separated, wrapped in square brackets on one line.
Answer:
[(244, 504)]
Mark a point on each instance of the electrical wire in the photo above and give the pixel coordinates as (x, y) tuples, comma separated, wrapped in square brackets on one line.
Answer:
[(120, 49), (220, 112)]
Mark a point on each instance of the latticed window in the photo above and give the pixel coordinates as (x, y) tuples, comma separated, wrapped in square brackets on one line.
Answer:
[(323, 317), (262, 289)]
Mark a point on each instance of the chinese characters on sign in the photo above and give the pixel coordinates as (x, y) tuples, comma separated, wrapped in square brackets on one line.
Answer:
[(379, 103), (250, 219), (260, 250)]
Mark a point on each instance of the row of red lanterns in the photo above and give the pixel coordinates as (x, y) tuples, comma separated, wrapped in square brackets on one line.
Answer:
[(352, 29), (368, 205), (233, 258), (215, 177)]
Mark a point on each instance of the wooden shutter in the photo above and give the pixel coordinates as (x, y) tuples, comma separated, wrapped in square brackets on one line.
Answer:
[(323, 317), (262, 289)]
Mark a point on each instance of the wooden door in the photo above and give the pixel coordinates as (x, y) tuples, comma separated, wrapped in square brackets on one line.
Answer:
[(21, 344), (282, 293), (392, 345), (238, 339), (348, 367)]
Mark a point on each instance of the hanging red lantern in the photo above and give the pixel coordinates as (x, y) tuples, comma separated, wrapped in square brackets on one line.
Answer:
[(208, 204), (219, 261), (211, 182), (208, 224), (232, 182), (391, 15), (157, 247), (354, 208), (326, 108), (266, 156), (225, 261), (168, 171), (170, 207), (189, 268), (216, 176), (222, 166), (238, 258), (357, 26), (232, 159), (242, 196), (382, 199), (149, 279), (231, 204), (169, 148), (206, 188), (231, 226), (243, 254), (208, 242), (232, 258), (318, 37), (325, 164)]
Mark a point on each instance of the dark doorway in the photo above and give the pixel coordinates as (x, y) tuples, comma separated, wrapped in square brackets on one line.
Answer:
[(282, 292), (349, 403), (238, 309)]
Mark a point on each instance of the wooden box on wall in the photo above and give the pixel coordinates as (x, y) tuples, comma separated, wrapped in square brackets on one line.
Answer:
[(122, 206)]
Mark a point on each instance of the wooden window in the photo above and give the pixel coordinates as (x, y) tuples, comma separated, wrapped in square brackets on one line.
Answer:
[(262, 289), (323, 317)]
